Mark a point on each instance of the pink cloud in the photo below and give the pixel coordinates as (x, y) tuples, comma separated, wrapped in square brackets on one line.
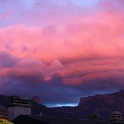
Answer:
[(96, 37)]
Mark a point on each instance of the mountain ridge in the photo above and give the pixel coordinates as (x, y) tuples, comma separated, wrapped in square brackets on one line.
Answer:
[(100, 104)]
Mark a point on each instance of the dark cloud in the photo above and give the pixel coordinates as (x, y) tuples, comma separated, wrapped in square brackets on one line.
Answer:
[(25, 77), (7, 60)]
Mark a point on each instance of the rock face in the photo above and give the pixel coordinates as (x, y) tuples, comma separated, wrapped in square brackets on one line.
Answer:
[(103, 104), (37, 100)]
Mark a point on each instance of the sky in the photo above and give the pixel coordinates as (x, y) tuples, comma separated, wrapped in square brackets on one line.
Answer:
[(61, 50)]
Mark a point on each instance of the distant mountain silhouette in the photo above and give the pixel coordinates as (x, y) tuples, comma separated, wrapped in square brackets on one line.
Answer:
[(102, 105)]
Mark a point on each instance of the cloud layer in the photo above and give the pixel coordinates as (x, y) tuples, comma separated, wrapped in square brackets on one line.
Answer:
[(61, 50)]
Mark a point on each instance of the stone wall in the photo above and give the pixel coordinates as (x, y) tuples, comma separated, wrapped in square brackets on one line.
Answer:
[(15, 111)]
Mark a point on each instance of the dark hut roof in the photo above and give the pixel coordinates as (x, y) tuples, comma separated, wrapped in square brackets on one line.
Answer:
[(25, 119), (30, 119)]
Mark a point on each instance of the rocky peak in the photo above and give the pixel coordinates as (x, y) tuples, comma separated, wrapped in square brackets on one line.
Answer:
[(37, 100)]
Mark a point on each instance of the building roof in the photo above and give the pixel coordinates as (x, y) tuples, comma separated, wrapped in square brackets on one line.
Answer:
[(30, 119), (116, 112), (25, 119)]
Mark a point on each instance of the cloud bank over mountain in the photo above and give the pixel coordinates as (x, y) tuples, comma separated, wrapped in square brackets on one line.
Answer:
[(61, 50)]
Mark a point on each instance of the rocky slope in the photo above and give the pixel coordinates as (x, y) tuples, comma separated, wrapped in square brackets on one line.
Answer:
[(102, 105)]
